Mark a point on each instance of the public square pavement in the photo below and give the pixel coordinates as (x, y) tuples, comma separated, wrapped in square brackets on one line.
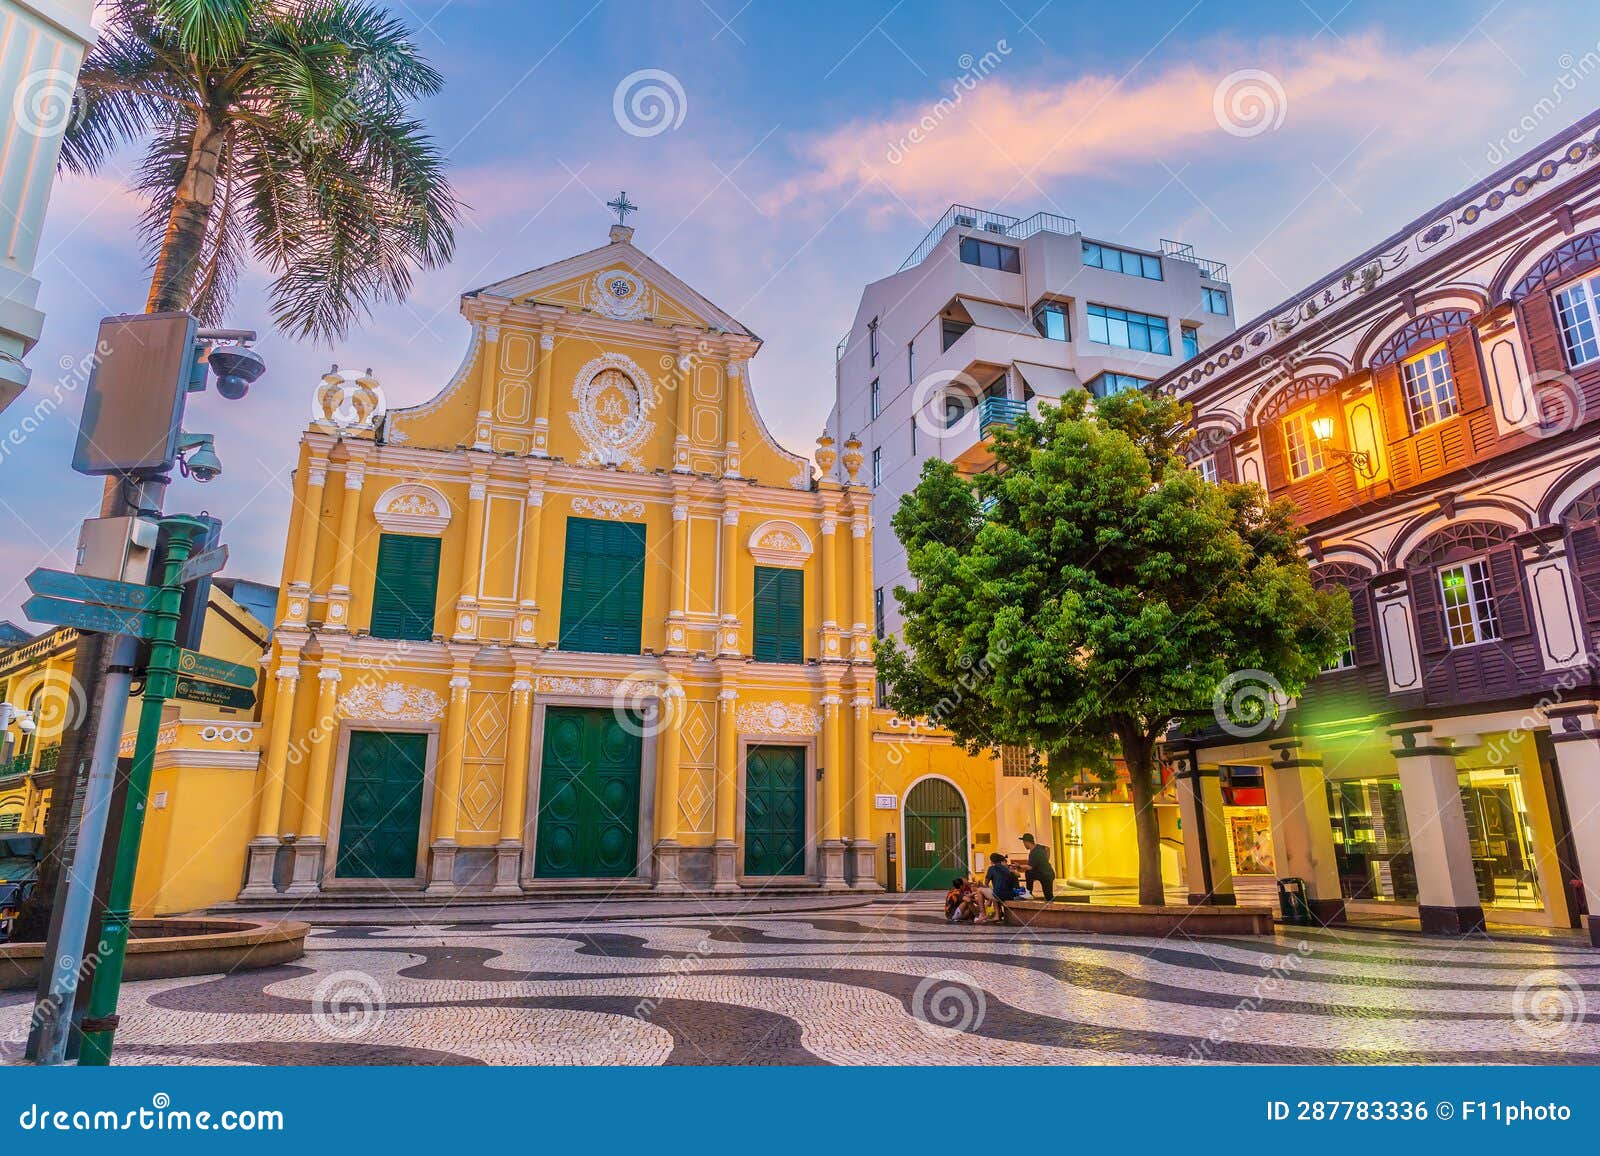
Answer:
[(885, 982)]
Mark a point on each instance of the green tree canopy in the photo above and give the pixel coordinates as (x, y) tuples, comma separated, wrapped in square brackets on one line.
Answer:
[(1093, 589), (278, 129)]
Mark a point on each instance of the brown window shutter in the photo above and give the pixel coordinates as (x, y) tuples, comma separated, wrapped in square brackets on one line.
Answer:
[(1511, 606), (1467, 369), (1424, 586)]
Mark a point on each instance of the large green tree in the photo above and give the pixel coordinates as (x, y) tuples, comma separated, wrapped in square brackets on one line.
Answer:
[(1092, 589), (278, 130)]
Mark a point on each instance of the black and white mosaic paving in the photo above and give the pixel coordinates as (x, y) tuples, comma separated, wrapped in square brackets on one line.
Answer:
[(886, 983)]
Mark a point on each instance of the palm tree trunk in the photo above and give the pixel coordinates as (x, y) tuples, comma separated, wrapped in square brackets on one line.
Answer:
[(178, 261), (1139, 753)]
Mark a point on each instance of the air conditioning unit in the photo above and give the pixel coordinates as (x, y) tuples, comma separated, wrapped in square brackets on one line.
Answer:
[(993, 227), (965, 222)]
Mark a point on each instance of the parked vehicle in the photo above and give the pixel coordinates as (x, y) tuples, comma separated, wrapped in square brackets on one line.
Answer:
[(19, 875)]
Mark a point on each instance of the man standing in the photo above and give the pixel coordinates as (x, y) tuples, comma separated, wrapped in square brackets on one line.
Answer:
[(1039, 868)]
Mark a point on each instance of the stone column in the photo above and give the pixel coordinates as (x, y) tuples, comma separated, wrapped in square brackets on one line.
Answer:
[(1575, 734), (1205, 836), (861, 585), (263, 852), (514, 795), (303, 574), (684, 377), (863, 847), (312, 834), (528, 569), (828, 564), (830, 823), (465, 627), (725, 856), (447, 788), (1302, 831), (732, 616), (668, 726), (488, 371), (541, 397), (678, 575), (336, 616), (732, 400), (1436, 820)]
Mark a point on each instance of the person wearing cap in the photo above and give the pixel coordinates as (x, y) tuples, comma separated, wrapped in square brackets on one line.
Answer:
[(1039, 868)]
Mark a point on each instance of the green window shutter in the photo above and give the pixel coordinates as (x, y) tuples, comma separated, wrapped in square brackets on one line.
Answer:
[(406, 588), (602, 587), (779, 626)]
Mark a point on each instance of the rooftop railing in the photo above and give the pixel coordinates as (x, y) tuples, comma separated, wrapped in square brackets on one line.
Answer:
[(986, 221), (1178, 251)]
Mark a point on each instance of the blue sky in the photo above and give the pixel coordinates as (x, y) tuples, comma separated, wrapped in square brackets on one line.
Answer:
[(807, 155)]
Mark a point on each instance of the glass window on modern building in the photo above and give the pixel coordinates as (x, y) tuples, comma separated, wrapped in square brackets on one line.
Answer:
[(1430, 388), (1098, 256), (1300, 443), (1216, 300), (988, 255), (1106, 384), (877, 612), (1126, 329), (1469, 610), (911, 362), (1191, 341), (1580, 327), (877, 466), (874, 393), (872, 342), (1050, 319)]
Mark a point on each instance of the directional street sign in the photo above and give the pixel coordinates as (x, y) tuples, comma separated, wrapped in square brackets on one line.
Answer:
[(85, 616), (81, 588), (215, 694), (192, 664), (203, 565)]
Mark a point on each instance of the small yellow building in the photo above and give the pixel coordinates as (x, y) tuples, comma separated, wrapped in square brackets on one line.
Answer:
[(202, 784), (576, 622)]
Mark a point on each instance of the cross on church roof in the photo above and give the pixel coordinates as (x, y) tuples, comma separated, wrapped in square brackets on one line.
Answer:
[(622, 207)]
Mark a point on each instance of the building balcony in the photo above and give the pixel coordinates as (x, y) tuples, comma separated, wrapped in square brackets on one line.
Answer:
[(993, 411)]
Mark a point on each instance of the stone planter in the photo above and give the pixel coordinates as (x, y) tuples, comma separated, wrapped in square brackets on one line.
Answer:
[(1159, 922)]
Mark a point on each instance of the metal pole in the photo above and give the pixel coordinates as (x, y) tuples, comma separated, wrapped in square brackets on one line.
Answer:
[(100, 1023), (55, 1009)]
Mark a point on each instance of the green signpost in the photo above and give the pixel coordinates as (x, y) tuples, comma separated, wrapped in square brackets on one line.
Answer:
[(214, 694), (87, 616), (100, 1022), (196, 665), (83, 588)]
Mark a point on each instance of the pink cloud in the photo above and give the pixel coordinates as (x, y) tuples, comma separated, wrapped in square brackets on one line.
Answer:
[(1029, 135)]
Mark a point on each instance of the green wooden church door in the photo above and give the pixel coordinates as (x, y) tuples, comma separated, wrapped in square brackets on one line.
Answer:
[(382, 813), (775, 811), (936, 835), (588, 795)]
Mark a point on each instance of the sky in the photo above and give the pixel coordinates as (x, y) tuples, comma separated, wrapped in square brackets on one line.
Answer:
[(785, 155)]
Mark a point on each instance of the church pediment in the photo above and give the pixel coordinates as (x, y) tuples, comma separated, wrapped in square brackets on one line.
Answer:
[(618, 282)]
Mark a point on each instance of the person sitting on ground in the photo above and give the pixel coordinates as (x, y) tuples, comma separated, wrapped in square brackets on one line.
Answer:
[(1039, 869), (1000, 884), (961, 902)]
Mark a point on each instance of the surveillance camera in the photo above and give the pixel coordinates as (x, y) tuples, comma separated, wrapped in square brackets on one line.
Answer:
[(203, 464), (236, 368)]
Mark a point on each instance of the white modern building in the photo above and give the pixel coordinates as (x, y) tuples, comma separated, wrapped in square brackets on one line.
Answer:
[(993, 313), (42, 43)]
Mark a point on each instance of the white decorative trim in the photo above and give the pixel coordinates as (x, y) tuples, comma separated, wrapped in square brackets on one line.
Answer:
[(412, 508), (778, 542), (565, 684), (620, 294), (777, 718), (392, 702), (614, 508), (616, 440)]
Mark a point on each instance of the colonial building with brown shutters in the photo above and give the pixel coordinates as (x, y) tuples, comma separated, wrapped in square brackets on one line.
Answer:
[(1431, 408)]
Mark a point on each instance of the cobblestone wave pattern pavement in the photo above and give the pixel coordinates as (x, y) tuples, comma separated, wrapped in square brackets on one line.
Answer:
[(889, 983)]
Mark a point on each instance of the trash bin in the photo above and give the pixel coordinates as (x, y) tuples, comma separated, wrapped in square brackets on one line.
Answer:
[(1292, 902)]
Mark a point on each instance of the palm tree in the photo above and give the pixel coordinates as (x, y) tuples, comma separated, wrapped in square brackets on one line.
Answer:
[(275, 129)]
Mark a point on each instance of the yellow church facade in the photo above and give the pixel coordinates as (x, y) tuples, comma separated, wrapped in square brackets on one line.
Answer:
[(578, 622)]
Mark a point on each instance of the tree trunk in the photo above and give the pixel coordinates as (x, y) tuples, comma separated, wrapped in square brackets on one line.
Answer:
[(182, 246), (1139, 753)]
